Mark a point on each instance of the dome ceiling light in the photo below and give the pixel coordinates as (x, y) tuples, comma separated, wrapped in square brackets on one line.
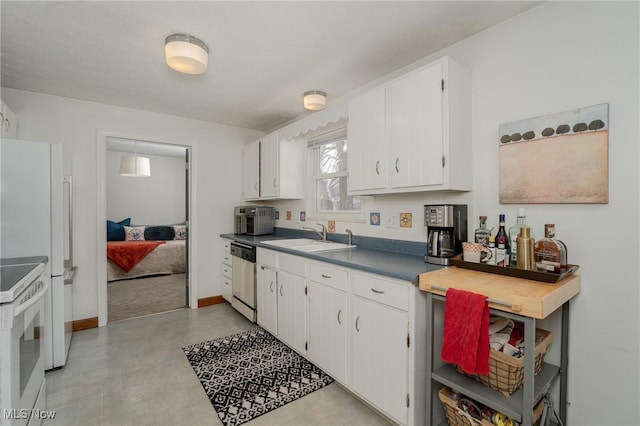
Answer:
[(315, 100), (186, 54)]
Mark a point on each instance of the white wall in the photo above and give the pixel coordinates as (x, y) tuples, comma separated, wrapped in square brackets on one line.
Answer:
[(155, 200), (216, 186), (556, 57)]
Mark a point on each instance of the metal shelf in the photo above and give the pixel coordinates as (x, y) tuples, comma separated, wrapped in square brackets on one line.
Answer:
[(512, 405)]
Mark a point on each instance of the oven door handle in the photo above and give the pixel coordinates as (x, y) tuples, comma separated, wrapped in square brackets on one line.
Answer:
[(34, 299)]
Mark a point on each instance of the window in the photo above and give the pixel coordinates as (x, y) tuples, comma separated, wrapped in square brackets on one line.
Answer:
[(329, 177)]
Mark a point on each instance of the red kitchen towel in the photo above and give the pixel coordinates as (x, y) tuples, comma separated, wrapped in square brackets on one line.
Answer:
[(465, 339), (127, 254)]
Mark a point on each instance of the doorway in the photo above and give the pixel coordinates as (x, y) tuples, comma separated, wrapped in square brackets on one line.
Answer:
[(147, 228)]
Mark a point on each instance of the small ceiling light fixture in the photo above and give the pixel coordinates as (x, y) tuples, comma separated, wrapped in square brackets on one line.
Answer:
[(134, 166), (186, 54), (315, 100)]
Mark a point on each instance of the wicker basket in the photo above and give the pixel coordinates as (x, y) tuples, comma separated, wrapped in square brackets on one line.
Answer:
[(457, 417), (506, 372)]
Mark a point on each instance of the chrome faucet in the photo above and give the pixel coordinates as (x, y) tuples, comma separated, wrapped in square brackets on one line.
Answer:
[(322, 234), (349, 236)]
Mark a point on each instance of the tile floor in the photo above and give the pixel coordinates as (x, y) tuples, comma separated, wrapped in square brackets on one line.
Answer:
[(133, 372)]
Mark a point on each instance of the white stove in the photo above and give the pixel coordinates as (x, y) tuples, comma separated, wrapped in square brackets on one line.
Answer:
[(23, 286)]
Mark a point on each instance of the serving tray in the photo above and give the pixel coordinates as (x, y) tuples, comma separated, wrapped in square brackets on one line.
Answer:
[(548, 277)]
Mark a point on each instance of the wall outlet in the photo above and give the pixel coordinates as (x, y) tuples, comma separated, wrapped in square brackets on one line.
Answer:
[(392, 220)]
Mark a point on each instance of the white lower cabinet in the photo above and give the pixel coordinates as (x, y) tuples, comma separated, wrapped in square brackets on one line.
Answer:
[(327, 325), (365, 330), (379, 356), (292, 310), (226, 269), (267, 290)]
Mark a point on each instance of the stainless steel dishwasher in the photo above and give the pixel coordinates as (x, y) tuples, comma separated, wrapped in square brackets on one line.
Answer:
[(243, 284)]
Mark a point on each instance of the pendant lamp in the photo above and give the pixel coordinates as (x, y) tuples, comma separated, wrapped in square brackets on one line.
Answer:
[(134, 166), (185, 53)]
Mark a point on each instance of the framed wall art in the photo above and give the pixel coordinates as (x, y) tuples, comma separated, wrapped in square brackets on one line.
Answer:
[(559, 158)]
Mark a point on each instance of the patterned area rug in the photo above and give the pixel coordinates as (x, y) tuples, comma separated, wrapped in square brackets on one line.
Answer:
[(248, 374)]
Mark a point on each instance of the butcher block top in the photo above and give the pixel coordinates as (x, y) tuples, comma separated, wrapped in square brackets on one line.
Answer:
[(520, 296)]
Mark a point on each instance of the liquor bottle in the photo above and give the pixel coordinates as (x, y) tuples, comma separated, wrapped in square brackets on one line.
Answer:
[(502, 256), (502, 232), (481, 234), (550, 254), (514, 231), (492, 248)]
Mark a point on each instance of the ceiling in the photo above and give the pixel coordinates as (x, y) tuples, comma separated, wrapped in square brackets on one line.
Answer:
[(263, 55)]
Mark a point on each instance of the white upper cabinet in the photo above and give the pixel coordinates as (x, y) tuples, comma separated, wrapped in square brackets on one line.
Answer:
[(415, 128), (9, 122), (251, 170), (273, 168), (413, 133), (367, 159)]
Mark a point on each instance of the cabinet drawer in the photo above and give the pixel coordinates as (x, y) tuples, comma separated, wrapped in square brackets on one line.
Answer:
[(382, 291), (267, 257), (225, 245), (226, 258), (227, 270), (328, 275), (292, 264)]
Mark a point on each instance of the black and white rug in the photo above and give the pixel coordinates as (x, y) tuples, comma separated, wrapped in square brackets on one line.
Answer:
[(248, 374)]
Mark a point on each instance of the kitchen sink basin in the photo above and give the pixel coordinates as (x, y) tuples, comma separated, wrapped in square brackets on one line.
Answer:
[(307, 244)]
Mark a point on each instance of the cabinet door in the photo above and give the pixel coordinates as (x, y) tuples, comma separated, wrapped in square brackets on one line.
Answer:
[(416, 129), (292, 310), (327, 319), (251, 170), (9, 122), (380, 356), (367, 159), (266, 282), (269, 166)]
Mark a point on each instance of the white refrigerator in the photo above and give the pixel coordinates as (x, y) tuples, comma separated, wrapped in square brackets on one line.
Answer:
[(32, 212)]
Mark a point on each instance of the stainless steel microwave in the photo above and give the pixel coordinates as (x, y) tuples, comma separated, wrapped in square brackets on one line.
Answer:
[(253, 220)]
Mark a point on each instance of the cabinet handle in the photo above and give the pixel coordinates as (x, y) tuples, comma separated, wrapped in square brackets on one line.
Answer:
[(326, 276), (377, 167), (397, 168), (357, 329), (274, 182), (226, 270), (377, 291), (255, 186), (262, 267), (271, 287), (339, 312), (281, 291)]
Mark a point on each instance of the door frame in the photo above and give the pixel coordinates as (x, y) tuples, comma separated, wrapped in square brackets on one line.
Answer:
[(101, 196)]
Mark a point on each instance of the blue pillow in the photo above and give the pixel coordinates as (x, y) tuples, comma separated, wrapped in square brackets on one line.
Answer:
[(115, 230)]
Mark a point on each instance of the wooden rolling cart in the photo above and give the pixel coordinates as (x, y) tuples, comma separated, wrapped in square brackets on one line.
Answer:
[(516, 298)]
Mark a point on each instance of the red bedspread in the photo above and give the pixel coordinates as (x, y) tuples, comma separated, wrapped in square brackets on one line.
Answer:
[(127, 254)]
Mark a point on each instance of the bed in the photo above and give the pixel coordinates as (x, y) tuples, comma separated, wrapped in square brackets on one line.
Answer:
[(145, 251)]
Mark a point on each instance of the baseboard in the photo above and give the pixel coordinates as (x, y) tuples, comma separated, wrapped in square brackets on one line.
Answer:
[(85, 324), (208, 301)]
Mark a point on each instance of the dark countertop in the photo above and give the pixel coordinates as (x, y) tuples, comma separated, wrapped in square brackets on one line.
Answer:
[(405, 261)]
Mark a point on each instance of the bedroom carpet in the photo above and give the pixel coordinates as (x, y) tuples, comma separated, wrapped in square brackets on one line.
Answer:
[(248, 374), (145, 296)]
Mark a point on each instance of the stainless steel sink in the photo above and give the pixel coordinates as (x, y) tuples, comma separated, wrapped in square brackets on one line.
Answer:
[(307, 244)]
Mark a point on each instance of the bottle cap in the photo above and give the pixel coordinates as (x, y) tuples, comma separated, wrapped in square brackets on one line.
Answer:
[(483, 218), (521, 212)]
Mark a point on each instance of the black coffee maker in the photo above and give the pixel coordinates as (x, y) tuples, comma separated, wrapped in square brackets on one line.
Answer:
[(446, 230)]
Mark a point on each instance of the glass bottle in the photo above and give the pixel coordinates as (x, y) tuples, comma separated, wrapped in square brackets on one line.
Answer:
[(502, 232), (550, 254), (492, 248), (514, 231), (481, 234)]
